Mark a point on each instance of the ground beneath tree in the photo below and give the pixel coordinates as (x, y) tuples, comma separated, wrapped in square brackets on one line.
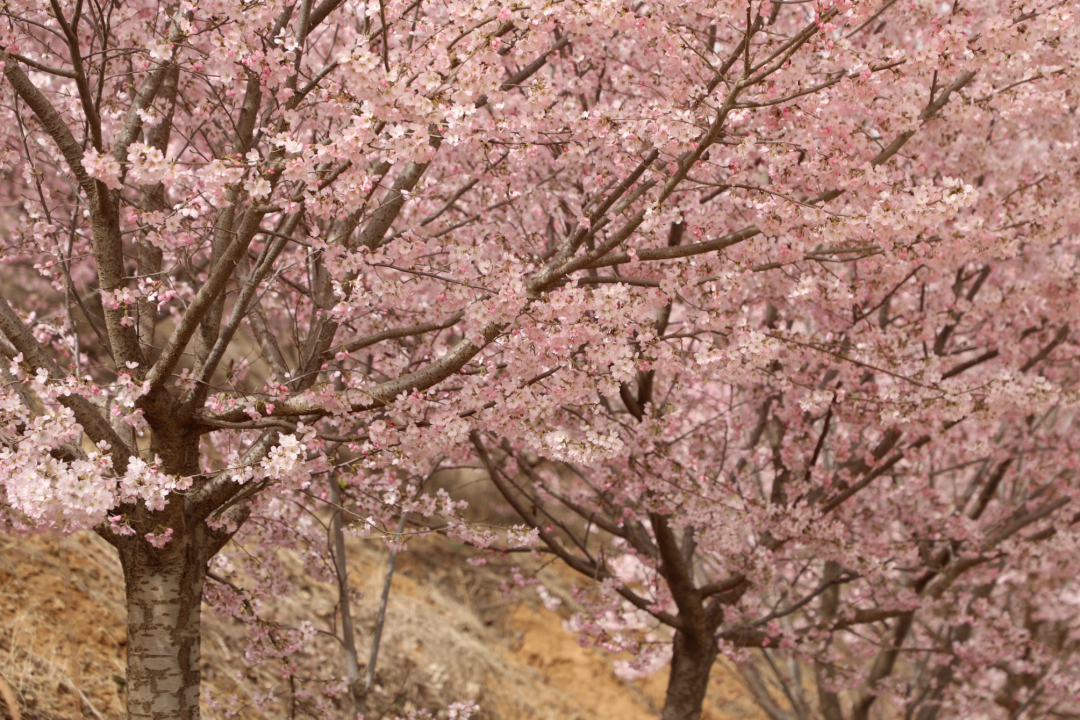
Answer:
[(451, 635)]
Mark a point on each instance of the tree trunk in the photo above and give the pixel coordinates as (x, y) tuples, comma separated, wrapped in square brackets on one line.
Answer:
[(164, 600), (691, 662)]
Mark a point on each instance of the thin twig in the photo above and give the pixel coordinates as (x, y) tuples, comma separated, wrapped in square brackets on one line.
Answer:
[(352, 666), (380, 621)]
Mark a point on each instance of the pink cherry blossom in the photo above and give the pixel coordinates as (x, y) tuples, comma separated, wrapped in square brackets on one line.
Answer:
[(768, 309)]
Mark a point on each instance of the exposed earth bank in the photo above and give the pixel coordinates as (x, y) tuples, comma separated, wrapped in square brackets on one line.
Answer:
[(451, 635)]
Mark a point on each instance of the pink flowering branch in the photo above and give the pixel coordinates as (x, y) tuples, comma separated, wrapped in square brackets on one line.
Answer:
[(86, 414)]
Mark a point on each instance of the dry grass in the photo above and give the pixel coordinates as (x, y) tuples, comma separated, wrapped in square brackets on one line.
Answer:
[(58, 630), (7, 697)]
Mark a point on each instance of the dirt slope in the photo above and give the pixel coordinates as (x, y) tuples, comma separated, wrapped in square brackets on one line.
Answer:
[(451, 635)]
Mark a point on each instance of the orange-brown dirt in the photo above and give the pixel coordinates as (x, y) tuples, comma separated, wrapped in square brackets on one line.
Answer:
[(450, 635)]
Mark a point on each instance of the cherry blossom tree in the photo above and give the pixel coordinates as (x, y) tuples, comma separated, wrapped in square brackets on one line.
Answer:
[(788, 285), (862, 457), (892, 566)]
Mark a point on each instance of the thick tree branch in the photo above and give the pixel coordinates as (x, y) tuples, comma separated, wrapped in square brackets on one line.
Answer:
[(220, 275), (51, 121), (528, 71), (679, 578), (241, 308), (396, 333), (584, 567), (86, 414)]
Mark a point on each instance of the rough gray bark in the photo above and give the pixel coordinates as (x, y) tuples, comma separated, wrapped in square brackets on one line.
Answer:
[(164, 600)]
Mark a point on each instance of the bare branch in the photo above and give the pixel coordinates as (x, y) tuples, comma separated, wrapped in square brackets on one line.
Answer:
[(402, 332), (582, 566)]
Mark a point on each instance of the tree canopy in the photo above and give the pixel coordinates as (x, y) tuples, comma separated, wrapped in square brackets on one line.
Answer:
[(777, 299)]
